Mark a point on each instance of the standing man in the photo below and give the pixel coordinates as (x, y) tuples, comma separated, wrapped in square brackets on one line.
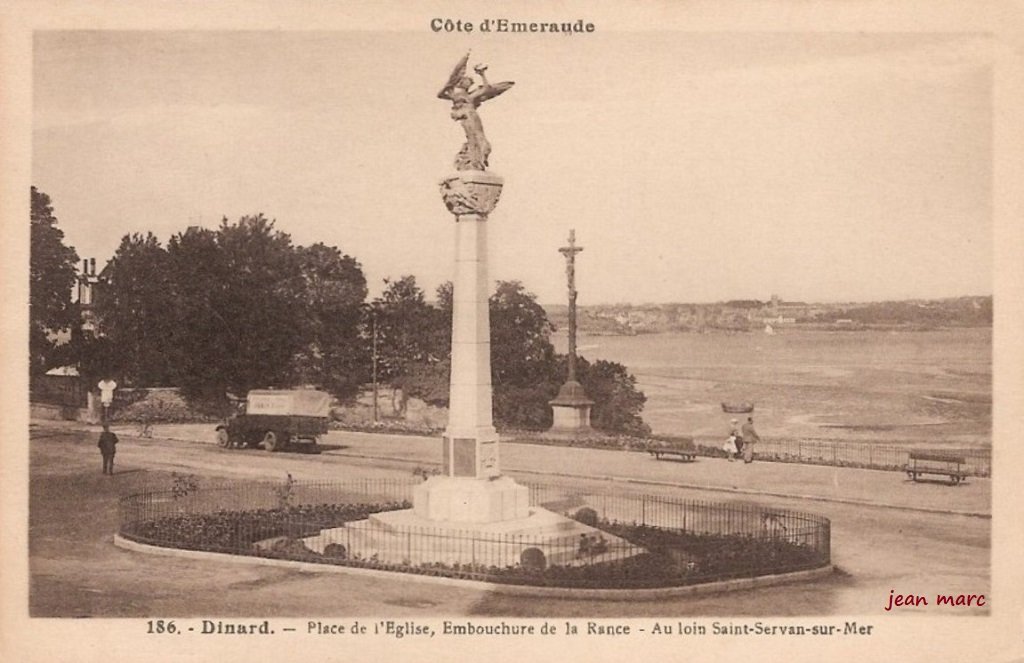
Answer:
[(108, 447), (750, 437)]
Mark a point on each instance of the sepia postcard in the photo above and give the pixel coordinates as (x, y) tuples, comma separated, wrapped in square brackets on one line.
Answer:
[(578, 331)]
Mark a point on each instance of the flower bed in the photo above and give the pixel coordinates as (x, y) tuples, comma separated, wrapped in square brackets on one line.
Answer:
[(238, 531), (672, 558), (722, 541)]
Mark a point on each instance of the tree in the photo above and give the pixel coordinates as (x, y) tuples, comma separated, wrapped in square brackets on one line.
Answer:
[(207, 335), (240, 302), (521, 351), (427, 378), (617, 402), (409, 330), (134, 311), (231, 309), (523, 361), (526, 372), (264, 305), (334, 291), (52, 273)]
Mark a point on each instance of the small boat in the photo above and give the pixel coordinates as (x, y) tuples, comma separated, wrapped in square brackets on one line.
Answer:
[(738, 408)]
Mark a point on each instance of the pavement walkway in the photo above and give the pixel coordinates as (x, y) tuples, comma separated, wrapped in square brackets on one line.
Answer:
[(871, 488)]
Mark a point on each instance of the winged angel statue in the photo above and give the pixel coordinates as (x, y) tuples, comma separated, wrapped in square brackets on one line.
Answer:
[(466, 96)]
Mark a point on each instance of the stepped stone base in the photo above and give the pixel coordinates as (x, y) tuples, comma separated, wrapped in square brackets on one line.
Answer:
[(470, 500), (403, 537)]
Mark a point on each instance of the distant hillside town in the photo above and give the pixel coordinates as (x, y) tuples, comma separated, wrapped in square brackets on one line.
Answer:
[(775, 315)]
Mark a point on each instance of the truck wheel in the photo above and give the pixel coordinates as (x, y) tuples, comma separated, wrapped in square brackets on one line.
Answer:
[(270, 441), (223, 439)]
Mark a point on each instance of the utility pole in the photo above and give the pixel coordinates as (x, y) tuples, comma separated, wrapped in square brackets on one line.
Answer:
[(376, 409)]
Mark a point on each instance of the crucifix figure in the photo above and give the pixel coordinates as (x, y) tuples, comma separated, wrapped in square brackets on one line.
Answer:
[(570, 272), (570, 410)]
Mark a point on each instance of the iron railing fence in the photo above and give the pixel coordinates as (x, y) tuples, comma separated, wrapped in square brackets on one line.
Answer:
[(697, 517), (611, 539), (62, 390), (187, 497), (849, 453)]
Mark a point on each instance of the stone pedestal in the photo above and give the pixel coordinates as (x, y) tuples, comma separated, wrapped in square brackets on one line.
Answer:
[(471, 500), (571, 410)]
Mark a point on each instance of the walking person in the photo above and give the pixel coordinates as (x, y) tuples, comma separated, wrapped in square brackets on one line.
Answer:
[(750, 437), (108, 447)]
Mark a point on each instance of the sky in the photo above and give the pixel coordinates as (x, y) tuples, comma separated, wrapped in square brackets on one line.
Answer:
[(694, 167)]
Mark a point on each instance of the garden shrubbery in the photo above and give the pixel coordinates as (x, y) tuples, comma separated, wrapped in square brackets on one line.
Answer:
[(670, 557), (237, 531), (158, 406)]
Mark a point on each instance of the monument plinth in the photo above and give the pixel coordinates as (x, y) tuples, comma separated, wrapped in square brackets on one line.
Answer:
[(570, 409)]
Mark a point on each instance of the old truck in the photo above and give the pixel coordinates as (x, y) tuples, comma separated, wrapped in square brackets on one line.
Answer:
[(278, 419)]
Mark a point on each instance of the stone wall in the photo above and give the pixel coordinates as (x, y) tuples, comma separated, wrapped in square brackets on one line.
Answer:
[(392, 406)]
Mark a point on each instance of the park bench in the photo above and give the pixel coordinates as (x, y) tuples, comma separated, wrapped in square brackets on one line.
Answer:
[(938, 463), (683, 448)]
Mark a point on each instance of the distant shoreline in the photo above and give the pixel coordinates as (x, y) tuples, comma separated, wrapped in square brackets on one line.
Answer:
[(810, 327), (774, 315)]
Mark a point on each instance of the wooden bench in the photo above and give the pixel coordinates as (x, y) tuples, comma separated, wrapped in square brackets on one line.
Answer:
[(938, 463), (684, 449)]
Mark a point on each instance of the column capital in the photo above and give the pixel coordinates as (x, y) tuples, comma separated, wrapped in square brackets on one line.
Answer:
[(471, 192)]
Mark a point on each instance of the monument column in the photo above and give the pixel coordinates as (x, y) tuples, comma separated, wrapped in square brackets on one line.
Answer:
[(471, 488), (470, 440)]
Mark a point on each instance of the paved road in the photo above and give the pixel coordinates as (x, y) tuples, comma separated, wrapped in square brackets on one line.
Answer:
[(881, 538), (810, 482)]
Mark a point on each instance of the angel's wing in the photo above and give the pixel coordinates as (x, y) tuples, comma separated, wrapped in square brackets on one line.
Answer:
[(491, 91), (457, 73)]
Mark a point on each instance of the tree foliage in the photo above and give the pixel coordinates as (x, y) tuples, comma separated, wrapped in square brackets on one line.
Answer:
[(262, 304), (203, 298), (335, 355), (521, 351), (241, 307), (617, 401), (136, 312), (233, 309), (52, 273), (409, 330), (526, 372)]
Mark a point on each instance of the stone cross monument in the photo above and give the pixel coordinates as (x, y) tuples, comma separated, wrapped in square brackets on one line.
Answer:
[(471, 487), (570, 272), (571, 408)]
